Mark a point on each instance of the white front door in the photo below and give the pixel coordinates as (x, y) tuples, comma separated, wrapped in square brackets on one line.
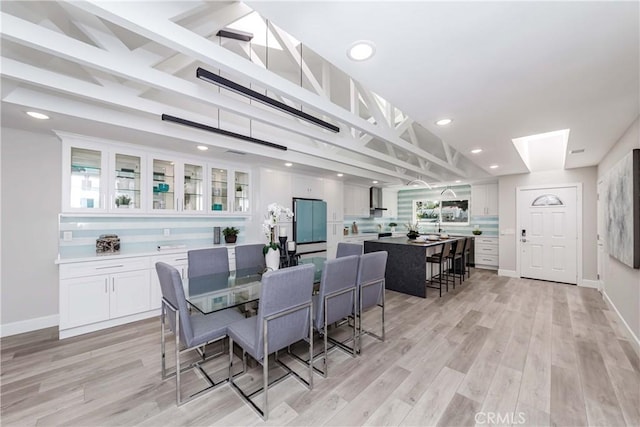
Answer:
[(548, 233)]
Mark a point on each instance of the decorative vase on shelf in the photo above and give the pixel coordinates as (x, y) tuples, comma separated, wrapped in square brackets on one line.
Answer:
[(272, 259)]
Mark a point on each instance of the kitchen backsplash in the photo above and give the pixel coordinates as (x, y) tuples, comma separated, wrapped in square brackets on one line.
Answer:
[(488, 224), (139, 235)]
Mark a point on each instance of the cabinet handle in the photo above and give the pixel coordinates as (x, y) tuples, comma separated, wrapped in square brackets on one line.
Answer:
[(113, 284), (106, 290), (180, 259), (109, 266)]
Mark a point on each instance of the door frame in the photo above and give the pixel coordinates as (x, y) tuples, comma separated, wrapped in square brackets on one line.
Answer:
[(578, 187)]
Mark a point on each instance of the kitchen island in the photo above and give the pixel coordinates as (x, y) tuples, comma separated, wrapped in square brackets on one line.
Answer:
[(406, 263)]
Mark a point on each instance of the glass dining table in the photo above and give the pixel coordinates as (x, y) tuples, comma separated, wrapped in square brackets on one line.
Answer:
[(214, 292)]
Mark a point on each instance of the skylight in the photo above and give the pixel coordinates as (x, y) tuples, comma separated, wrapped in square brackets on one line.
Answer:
[(544, 151)]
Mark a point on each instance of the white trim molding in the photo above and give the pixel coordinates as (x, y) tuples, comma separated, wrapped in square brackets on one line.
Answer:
[(591, 284), (635, 342), (508, 273), (29, 325)]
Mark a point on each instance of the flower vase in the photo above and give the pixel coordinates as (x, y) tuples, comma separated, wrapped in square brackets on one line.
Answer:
[(272, 259)]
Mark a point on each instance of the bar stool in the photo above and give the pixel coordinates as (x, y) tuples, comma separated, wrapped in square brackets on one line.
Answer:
[(457, 254), (439, 258)]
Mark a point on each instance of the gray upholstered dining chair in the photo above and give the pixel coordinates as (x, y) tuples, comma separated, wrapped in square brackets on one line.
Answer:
[(284, 318), (250, 256), (346, 249), (336, 300), (191, 332), (371, 287), (207, 261)]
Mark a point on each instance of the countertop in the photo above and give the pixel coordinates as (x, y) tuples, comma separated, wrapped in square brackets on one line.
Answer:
[(407, 242)]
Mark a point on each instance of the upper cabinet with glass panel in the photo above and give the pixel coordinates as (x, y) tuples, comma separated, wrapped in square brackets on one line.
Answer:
[(86, 183), (108, 177)]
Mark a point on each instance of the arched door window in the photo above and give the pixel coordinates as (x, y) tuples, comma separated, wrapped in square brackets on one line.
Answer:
[(547, 200)]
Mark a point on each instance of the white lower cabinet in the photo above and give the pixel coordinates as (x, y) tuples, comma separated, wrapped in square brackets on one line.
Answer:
[(334, 236), (100, 294), (179, 261), (486, 252), (129, 293)]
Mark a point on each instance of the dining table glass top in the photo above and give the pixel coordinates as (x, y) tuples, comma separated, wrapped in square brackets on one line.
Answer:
[(214, 292)]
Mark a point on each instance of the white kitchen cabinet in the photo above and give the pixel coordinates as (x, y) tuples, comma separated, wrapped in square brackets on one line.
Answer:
[(486, 252), (334, 196), (356, 201), (390, 203), (179, 261), (103, 293), (129, 293), (177, 186), (97, 179), (229, 190), (484, 199), (334, 236), (83, 301), (307, 187), (275, 187)]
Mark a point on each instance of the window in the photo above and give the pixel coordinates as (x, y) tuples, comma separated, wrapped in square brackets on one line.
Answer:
[(445, 211), (547, 200)]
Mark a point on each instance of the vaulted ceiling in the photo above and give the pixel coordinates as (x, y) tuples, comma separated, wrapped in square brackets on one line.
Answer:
[(500, 70)]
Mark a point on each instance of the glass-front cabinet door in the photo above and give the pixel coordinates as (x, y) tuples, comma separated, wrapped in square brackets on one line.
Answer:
[(127, 182), (164, 186), (193, 199), (242, 191), (86, 186), (219, 189)]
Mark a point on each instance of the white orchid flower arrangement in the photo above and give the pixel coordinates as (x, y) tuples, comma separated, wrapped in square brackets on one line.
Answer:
[(275, 213)]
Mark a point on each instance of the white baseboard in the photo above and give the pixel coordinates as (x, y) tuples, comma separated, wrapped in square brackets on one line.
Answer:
[(508, 273), (632, 337), (23, 326), (590, 284)]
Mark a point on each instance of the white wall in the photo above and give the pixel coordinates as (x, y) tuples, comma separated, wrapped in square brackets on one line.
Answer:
[(622, 283), (30, 184), (507, 209)]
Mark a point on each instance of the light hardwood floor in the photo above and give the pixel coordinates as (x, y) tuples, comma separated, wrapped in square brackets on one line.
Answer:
[(543, 353)]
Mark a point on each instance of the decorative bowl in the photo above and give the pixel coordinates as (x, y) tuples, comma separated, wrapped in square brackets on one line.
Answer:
[(412, 235), (477, 232)]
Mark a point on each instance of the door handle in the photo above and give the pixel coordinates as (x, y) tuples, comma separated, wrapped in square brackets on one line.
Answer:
[(523, 240)]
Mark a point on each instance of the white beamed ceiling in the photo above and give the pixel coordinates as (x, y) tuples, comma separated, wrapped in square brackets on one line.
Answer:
[(500, 70)]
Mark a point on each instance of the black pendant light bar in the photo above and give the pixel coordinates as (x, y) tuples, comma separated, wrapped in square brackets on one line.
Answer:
[(178, 120), (210, 77), (235, 34)]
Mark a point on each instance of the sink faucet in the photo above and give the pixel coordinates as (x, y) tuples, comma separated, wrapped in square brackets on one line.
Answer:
[(437, 225)]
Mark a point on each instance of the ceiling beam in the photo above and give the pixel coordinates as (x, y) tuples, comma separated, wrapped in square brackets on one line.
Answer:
[(154, 24)]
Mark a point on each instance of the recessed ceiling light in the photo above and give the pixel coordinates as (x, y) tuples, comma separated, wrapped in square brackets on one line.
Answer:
[(202, 147), (37, 115), (458, 181), (340, 174), (493, 167), (361, 50), (443, 122), (288, 164), (375, 182), (476, 151)]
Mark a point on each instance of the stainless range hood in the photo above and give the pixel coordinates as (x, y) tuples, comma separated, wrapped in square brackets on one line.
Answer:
[(375, 201)]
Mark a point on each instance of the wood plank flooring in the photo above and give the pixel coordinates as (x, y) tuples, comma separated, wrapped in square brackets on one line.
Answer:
[(494, 346)]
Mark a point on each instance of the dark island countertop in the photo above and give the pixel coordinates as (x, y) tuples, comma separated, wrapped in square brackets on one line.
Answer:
[(406, 263)]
